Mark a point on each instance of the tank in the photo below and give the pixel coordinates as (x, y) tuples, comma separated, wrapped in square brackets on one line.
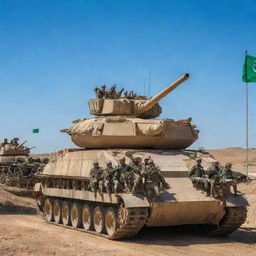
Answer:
[(126, 127), (17, 167)]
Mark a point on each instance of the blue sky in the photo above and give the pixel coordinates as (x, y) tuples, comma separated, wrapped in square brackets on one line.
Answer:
[(53, 53)]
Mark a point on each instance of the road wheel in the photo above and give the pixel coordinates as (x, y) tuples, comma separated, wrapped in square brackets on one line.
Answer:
[(57, 211), (87, 217), (48, 209), (65, 213), (76, 215), (98, 220), (111, 221)]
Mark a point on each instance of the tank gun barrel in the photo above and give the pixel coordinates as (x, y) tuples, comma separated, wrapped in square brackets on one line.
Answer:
[(144, 107), (21, 144)]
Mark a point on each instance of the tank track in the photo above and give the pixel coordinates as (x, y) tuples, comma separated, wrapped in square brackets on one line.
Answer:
[(232, 220), (135, 219)]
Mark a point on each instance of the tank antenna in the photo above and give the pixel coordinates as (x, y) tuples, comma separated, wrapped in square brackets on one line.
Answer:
[(149, 81), (145, 86)]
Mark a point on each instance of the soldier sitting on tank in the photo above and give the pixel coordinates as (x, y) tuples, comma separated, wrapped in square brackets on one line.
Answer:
[(153, 181), (125, 172), (198, 176), (227, 174), (95, 176), (14, 141), (111, 93), (214, 173), (100, 92), (163, 184), (5, 142), (137, 168), (107, 178), (119, 94)]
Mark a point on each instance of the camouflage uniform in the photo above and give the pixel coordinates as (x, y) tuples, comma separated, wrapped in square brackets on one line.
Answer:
[(214, 173), (227, 174), (197, 176), (107, 177), (153, 181), (95, 177), (122, 174), (137, 169)]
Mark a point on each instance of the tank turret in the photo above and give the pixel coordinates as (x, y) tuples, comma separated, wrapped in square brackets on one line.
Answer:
[(129, 122), (137, 106)]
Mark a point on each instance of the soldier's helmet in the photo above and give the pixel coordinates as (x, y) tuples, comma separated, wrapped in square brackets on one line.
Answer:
[(151, 161), (108, 162), (95, 162), (121, 159), (147, 158), (198, 160), (228, 165)]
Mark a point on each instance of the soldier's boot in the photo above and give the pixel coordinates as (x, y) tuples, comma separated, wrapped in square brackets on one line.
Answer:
[(235, 189)]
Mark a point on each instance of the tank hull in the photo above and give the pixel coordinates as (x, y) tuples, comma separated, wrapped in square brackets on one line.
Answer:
[(179, 205), (124, 132)]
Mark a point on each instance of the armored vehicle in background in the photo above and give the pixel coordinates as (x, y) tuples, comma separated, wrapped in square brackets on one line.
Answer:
[(125, 127), (17, 167)]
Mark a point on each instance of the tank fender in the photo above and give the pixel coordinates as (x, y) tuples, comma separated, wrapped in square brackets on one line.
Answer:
[(137, 200), (236, 201)]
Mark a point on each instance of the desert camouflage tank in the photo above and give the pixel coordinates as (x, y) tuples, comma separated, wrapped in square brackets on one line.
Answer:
[(17, 167), (126, 127)]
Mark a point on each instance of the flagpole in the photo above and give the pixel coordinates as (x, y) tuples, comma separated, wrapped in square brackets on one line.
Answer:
[(247, 119)]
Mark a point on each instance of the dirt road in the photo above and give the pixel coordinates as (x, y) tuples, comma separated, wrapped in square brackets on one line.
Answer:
[(24, 232)]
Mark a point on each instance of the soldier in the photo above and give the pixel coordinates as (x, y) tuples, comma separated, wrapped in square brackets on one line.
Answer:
[(95, 176), (107, 177), (99, 93), (103, 90), (214, 172), (124, 171), (5, 142), (162, 179), (14, 141), (153, 181), (137, 168), (111, 93), (228, 174), (197, 176), (119, 94)]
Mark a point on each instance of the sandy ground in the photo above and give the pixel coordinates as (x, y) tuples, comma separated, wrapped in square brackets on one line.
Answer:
[(24, 232)]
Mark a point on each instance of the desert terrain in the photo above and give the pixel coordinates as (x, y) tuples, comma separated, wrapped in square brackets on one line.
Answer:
[(24, 232)]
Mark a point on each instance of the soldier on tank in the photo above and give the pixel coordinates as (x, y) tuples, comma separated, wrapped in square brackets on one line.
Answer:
[(214, 174), (137, 168), (197, 176), (95, 176), (5, 142), (227, 174), (14, 141), (119, 94), (111, 93), (124, 172), (107, 178), (153, 181), (163, 182)]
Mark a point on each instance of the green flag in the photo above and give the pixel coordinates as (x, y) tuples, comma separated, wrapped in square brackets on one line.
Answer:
[(249, 69), (35, 130)]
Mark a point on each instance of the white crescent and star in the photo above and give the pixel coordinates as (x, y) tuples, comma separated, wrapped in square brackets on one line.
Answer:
[(254, 67)]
